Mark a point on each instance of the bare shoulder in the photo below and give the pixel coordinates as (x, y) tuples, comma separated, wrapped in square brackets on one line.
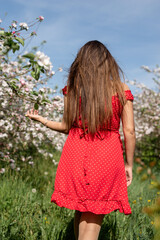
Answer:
[(125, 86)]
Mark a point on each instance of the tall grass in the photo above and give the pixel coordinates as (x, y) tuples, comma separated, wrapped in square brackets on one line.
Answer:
[(27, 213)]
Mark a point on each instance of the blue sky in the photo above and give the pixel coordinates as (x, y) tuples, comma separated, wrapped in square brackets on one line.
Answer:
[(130, 29)]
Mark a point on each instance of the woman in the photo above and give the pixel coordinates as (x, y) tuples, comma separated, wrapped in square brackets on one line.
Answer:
[(92, 177)]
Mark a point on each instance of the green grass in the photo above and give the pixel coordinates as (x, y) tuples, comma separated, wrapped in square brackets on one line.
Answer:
[(25, 214)]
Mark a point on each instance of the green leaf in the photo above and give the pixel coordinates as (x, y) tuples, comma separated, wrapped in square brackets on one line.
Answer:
[(27, 66), (15, 47), (14, 80), (33, 74), (36, 106), (42, 69), (34, 93), (20, 40), (13, 85), (46, 100), (29, 55), (37, 72)]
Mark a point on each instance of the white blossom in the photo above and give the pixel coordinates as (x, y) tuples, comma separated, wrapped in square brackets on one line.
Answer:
[(43, 61), (14, 25), (24, 26)]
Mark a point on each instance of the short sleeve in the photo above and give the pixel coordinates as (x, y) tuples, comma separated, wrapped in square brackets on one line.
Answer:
[(64, 90), (129, 95)]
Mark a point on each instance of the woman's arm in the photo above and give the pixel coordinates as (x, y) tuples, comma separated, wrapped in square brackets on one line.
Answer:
[(129, 137), (56, 126), (129, 132)]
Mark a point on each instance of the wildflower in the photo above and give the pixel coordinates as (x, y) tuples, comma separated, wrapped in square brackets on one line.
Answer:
[(158, 193), (34, 190), (18, 169), (149, 200), (13, 166), (50, 154), (140, 198), (152, 222), (2, 170), (31, 163), (45, 173), (23, 159), (54, 161), (24, 26), (134, 201), (45, 218), (41, 18)]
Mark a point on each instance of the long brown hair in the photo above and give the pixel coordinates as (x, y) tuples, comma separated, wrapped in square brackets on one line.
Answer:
[(95, 76)]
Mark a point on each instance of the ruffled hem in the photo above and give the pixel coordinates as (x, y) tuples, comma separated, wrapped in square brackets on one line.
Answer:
[(94, 206)]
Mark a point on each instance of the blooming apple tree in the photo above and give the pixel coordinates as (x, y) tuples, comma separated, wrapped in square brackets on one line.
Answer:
[(147, 106), (22, 87)]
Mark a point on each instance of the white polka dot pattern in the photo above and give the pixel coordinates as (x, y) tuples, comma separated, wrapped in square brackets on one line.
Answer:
[(91, 174)]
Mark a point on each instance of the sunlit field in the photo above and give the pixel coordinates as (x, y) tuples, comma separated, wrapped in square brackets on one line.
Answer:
[(27, 213)]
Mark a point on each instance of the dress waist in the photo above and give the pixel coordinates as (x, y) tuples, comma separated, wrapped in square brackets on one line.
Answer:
[(101, 134)]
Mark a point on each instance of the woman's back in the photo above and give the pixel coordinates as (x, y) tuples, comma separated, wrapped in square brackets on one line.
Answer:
[(95, 77), (117, 108)]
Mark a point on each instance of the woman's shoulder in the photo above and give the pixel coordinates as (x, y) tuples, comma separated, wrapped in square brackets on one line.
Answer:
[(128, 93), (125, 87)]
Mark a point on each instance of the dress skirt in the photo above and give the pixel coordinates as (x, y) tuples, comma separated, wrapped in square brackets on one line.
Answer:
[(91, 174)]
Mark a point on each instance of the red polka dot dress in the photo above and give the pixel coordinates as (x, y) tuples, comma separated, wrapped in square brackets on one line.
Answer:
[(91, 172)]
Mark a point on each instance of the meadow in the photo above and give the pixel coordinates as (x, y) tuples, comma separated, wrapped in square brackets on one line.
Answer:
[(26, 211)]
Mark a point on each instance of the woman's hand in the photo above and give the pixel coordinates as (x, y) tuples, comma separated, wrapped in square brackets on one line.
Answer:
[(33, 114), (128, 170)]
